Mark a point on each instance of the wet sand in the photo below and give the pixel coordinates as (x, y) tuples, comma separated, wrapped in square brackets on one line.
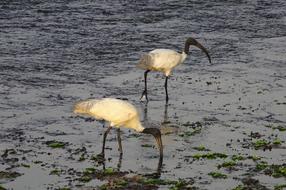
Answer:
[(54, 54)]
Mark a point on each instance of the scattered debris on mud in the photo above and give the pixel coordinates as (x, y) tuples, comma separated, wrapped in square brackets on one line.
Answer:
[(224, 126)]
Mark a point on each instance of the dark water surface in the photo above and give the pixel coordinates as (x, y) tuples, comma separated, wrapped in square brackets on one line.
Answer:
[(54, 53)]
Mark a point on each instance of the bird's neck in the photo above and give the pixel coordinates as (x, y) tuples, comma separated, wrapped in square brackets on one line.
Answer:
[(187, 48), (184, 56), (135, 124), (140, 128)]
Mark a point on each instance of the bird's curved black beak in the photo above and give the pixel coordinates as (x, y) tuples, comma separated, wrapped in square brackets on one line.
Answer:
[(194, 42), (157, 134)]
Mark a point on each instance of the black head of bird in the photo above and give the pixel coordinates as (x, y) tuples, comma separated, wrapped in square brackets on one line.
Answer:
[(191, 41)]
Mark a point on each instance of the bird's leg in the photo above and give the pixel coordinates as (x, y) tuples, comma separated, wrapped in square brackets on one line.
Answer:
[(119, 141), (144, 93), (166, 89), (103, 165), (119, 162), (104, 138)]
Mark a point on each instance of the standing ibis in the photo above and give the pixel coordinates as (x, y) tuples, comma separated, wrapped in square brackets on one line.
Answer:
[(164, 60), (120, 114)]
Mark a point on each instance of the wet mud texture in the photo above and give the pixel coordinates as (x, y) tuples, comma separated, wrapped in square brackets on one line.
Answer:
[(224, 126)]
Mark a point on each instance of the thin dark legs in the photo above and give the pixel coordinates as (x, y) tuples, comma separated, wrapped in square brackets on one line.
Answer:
[(118, 138), (144, 93), (119, 141), (119, 162), (120, 148), (145, 89), (166, 89), (104, 138)]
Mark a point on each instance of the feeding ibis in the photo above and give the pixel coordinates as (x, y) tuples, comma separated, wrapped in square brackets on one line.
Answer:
[(164, 60), (120, 114)]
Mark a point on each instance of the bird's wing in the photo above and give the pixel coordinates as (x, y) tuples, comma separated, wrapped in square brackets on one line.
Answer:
[(163, 51), (160, 59), (113, 110), (165, 59)]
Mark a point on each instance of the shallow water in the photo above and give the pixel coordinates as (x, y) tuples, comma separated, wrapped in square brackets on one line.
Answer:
[(53, 54)]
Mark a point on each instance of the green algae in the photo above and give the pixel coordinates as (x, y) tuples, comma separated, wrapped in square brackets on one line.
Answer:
[(55, 144), (210, 156), (218, 175)]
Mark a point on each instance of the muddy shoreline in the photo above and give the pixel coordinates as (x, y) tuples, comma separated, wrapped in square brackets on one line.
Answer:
[(224, 126)]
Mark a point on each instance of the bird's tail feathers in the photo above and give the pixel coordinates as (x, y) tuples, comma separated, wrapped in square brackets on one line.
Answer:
[(145, 62), (83, 107)]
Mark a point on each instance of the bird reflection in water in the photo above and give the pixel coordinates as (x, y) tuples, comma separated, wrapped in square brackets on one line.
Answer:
[(119, 163), (164, 123)]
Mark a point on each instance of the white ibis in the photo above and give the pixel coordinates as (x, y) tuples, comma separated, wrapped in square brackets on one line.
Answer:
[(164, 60), (120, 114)]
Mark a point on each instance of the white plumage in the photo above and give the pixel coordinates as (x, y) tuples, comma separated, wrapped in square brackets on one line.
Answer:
[(163, 60), (118, 112)]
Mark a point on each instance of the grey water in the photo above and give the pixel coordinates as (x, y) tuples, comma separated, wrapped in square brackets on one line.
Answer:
[(54, 53)]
